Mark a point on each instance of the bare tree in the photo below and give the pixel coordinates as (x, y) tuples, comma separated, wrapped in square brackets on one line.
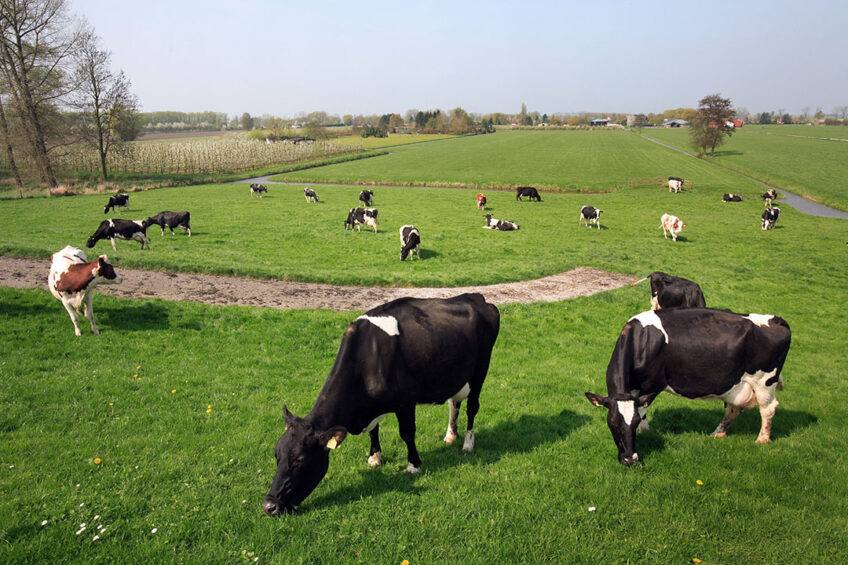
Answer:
[(840, 111), (103, 97), (38, 39), (6, 132), (805, 111)]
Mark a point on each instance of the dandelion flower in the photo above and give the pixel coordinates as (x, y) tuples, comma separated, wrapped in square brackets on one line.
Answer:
[(135, 376), (696, 560), (699, 481), (138, 366), (97, 461), (404, 562), (173, 391), (209, 409)]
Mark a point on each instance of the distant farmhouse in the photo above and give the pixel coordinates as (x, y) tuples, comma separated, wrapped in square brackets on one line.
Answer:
[(678, 123), (599, 122)]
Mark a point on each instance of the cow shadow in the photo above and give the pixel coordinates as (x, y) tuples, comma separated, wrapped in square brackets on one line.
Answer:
[(428, 254), (26, 310), (515, 436)]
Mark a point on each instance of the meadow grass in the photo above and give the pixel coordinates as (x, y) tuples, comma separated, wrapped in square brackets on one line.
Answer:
[(808, 161), (181, 403)]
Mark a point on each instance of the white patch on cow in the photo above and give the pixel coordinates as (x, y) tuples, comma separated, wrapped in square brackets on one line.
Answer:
[(462, 394), (760, 319), (140, 224), (388, 324), (374, 422), (627, 409), (650, 318)]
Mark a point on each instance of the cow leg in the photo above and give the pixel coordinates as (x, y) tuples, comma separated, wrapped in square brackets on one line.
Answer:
[(768, 404), (113, 244), (89, 311), (453, 413), (406, 427), (73, 314), (730, 414), (471, 410), (376, 453)]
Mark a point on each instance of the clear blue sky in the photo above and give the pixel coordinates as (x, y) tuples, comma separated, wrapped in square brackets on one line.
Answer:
[(345, 57)]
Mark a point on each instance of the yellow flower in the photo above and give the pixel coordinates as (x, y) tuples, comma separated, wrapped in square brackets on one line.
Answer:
[(699, 481), (138, 367), (111, 404), (135, 376), (173, 391), (696, 560), (404, 562), (209, 409), (97, 461)]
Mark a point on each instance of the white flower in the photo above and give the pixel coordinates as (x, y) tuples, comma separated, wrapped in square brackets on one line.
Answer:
[(154, 530), (95, 538), (592, 509), (44, 523)]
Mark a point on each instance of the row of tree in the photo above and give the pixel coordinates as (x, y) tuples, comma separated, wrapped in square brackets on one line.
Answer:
[(57, 87)]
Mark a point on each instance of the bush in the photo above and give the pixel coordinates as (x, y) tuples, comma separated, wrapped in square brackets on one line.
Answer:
[(373, 131)]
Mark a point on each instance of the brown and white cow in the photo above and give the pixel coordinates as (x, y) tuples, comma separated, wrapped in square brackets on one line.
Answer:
[(481, 200), (671, 224), (675, 184), (72, 280)]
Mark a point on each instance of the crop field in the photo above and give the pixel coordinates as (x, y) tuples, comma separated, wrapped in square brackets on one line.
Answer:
[(808, 161), (391, 141), (158, 434)]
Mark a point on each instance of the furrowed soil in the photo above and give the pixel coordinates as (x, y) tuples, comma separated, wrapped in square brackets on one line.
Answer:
[(221, 290)]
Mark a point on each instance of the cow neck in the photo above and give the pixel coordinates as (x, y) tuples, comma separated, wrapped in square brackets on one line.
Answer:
[(77, 277)]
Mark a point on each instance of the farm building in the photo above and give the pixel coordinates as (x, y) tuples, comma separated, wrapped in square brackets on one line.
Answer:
[(600, 122), (678, 123)]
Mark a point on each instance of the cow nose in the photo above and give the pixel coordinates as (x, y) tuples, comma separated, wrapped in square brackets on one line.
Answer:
[(271, 508), (630, 460)]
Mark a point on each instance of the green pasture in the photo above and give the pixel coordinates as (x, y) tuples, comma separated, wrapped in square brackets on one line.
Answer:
[(559, 160), (808, 161), (181, 403)]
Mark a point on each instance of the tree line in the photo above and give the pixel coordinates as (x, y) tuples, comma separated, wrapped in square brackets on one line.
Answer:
[(57, 88)]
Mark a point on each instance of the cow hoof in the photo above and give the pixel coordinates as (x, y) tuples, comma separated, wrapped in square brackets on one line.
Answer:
[(450, 437), (719, 434), (412, 469), (468, 445), (375, 460), (763, 439)]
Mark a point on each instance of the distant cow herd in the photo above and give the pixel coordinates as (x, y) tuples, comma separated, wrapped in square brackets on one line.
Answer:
[(432, 351)]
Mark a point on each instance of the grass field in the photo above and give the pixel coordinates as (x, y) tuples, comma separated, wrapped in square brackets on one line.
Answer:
[(181, 403), (808, 161)]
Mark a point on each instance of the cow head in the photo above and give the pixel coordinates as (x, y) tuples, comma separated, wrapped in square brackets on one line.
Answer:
[(623, 420), (302, 460), (106, 271)]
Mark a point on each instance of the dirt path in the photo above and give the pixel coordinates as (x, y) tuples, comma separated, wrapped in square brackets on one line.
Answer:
[(214, 289)]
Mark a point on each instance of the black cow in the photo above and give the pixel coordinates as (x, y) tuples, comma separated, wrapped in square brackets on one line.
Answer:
[(589, 214), (117, 200), (731, 198), (768, 196), (122, 229), (528, 191), (367, 197), (310, 195), (256, 188), (668, 291), (496, 224), (171, 220), (410, 242), (770, 216), (361, 216), (695, 353), (406, 352)]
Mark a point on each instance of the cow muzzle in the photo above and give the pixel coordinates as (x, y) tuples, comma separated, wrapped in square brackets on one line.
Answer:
[(272, 508), (630, 460)]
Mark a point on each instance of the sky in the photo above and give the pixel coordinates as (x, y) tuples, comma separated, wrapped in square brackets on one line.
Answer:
[(287, 58)]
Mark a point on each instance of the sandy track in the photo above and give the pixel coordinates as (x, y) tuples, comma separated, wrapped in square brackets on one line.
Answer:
[(221, 290)]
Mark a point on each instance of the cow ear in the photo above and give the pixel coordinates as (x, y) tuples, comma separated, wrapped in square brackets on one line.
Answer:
[(597, 399), (333, 438), (645, 400), (288, 417)]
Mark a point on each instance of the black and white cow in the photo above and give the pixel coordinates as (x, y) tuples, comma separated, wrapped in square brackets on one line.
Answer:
[(72, 280), (768, 196), (590, 215), (171, 220), (668, 291), (367, 197), (256, 188), (310, 195), (696, 353), (731, 198), (358, 217), (528, 191), (770, 216), (410, 242), (117, 200), (409, 351), (675, 184), (496, 224), (122, 229)]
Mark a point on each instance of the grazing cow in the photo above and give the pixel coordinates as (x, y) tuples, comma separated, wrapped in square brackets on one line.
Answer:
[(675, 184), (671, 224), (668, 291), (310, 195), (410, 242), (502, 225), (117, 200), (770, 216), (768, 196), (72, 280), (406, 352), (695, 353), (481, 201), (588, 214), (731, 198), (171, 220), (361, 216), (528, 191), (123, 229), (367, 197), (256, 188)]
